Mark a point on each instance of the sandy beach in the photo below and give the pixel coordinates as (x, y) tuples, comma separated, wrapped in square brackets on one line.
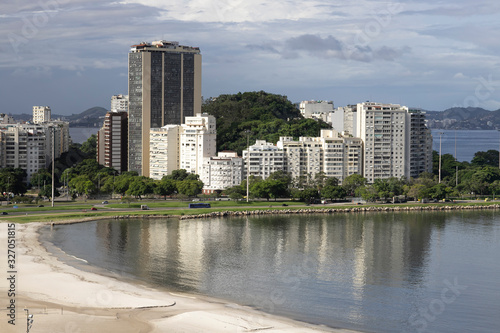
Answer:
[(62, 298)]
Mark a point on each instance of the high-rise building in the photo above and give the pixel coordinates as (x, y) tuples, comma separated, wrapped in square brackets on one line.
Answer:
[(164, 151), (23, 147), (420, 148), (41, 114), (383, 128), (197, 140), (119, 103), (112, 141), (164, 87)]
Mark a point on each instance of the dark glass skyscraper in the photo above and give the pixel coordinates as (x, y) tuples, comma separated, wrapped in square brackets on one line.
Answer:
[(164, 87)]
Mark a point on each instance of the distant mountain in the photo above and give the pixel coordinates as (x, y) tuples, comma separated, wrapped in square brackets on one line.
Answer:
[(464, 118), (92, 117)]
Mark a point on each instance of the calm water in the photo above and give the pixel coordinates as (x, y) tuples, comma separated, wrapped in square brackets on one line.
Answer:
[(393, 272), (467, 143)]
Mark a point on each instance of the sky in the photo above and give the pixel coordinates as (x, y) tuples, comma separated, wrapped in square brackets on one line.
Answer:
[(72, 54)]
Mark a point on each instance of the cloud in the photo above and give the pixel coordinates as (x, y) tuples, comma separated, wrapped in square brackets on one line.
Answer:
[(330, 47)]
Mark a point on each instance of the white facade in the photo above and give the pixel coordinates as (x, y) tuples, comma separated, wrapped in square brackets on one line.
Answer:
[(41, 114), (164, 151), (197, 140), (263, 159), (119, 103), (332, 154), (383, 128), (316, 109), (221, 172), (23, 148)]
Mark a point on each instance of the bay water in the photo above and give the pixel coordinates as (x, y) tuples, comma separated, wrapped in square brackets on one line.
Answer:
[(374, 272), (464, 142)]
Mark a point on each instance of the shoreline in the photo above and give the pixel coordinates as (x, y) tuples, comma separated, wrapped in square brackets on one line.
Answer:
[(63, 298)]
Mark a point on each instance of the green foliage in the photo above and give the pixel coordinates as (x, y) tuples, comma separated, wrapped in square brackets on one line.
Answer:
[(46, 191), (262, 115), (333, 192), (309, 194), (482, 158), (13, 180), (89, 147), (190, 188), (353, 182)]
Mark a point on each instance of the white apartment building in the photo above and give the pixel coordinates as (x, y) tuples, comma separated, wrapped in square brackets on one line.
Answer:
[(221, 172), (197, 140), (119, 103), (316, 109), (262, 159), (332, 154), (164, 151), (41, 114), (23, 148), (383, 129)]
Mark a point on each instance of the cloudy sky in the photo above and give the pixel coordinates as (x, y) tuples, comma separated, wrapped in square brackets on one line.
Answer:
[(72, 54)]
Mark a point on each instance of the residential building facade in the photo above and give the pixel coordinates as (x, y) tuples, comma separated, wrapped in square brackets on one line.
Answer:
[(262, 159), (197, 140), (382, 127), (119, 103), (41, 114), (164, 151), (420, 144), (164, 88), (221, 172), (112, 141)]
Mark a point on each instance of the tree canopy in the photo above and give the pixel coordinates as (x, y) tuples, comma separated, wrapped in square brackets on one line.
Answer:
[(259, 115)]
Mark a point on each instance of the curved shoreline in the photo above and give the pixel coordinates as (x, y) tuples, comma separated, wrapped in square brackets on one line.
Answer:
[(64, 298)]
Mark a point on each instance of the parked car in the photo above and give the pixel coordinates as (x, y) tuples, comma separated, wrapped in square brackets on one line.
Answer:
[(105, 202), (40, 205), (93, 208), (5, 213)]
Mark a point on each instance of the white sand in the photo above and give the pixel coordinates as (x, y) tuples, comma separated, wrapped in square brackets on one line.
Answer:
[(65, 299)]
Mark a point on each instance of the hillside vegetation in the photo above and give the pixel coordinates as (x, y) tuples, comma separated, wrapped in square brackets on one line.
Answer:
[(266, 116)]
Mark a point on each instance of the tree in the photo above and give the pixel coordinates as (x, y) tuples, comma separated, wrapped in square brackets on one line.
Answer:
[(482, 158), (46, 191), (89, 147), (352, 182), (190, 187), (140, 186), (333, 192), (165, 187), (308, 194)]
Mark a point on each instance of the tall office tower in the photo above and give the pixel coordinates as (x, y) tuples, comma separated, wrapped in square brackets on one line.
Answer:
[(41, 114), (119, 103), (164, 87), (112, 141), (420, 139), (382, 127)]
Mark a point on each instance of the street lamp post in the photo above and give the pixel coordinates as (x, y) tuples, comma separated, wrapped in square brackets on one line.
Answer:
[(456, 162), (248, 163), (440, 134)]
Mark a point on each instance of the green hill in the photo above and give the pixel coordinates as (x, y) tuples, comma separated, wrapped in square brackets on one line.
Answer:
[(267, 117)]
